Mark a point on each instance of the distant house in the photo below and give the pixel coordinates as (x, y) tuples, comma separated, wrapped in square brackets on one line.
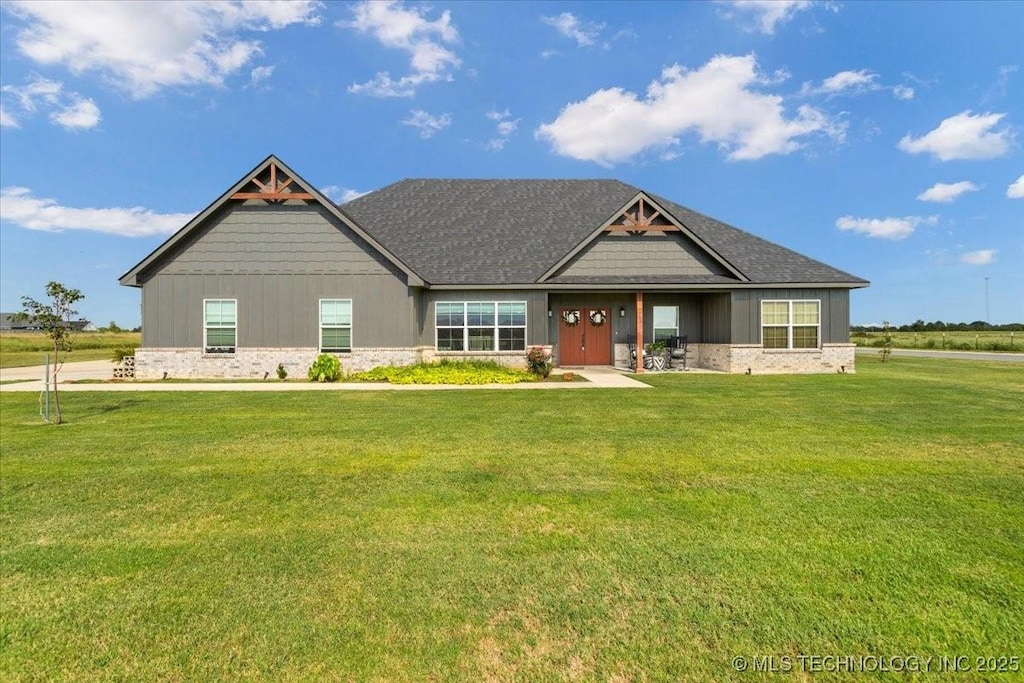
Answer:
[(274, 272), (8, 323)]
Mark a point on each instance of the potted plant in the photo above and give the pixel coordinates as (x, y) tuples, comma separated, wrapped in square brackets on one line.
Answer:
[(657, 353)]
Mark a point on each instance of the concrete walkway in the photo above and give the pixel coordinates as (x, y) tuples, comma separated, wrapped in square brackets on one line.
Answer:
[(597, 378), (957, 355)]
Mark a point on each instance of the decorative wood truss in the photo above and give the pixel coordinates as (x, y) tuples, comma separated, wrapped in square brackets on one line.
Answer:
[(641, 217), (272, 185)]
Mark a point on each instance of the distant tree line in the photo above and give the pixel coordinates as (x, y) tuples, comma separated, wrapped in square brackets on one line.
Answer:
[(114, 327), (940, 326)]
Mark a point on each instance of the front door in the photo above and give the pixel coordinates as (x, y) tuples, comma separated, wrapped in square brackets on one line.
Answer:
[(585, 336)]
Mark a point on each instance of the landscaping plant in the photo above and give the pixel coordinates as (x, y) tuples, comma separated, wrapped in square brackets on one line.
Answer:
[(326, 368)]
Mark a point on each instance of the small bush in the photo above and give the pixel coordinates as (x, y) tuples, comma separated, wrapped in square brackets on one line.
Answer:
[(326, 368), (538, 361), (119, 353), (281, 372), (930, 343)]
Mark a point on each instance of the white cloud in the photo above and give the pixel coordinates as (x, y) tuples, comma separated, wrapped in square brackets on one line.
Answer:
[(947, 192), (884, 228), (142, 47), (408, 30), (82, 113), (903, 92), (849, 80), (261, 74), (1016, 189), (7, 120), (548, 54), (566, 23), (506, 126), (427, 124), (18, 206), (767, 15), (964, 136), (979, 258), (719, 102), (341, 195), (67, 109)]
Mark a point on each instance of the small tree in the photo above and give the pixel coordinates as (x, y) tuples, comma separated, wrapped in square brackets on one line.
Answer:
[(887, 342), (54, 318)]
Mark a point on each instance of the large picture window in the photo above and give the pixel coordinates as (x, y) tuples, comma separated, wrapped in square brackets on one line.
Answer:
[(335, 325), (666, 322), (480, 325), (791, 324), (220, 325)]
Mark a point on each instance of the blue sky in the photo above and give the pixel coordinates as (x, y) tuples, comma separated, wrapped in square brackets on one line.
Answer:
[(882, 138)]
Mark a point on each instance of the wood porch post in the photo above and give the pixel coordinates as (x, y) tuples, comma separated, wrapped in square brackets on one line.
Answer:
[(639, 332)]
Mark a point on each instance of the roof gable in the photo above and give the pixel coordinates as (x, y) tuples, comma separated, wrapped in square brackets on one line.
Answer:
[(641, 215), (270, 182)]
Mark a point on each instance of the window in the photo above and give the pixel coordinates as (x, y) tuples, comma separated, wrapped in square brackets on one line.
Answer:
[(790, 324), (335, 325), (480, 326), (666, 322), (220, 325)]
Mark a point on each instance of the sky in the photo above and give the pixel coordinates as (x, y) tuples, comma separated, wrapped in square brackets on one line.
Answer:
[(882, 138)]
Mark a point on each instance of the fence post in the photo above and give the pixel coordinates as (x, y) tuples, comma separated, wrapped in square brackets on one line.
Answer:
[(976, 341), (943, 340)]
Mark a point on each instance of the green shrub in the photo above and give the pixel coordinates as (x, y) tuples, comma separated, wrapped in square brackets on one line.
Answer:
[(538, 361), (281, 372), (930, 343), (119, 353), (445, 372), (326, 368)]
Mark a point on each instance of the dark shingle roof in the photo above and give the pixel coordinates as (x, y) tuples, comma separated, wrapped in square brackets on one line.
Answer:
[(486, 231), (462, 232)]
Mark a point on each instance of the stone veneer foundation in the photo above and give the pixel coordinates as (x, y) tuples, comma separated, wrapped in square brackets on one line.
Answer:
[(739, 358), (192, 363)]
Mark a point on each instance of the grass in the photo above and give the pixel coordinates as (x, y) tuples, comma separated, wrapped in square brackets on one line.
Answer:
[(24, 349), (505, 535), (957, 341)]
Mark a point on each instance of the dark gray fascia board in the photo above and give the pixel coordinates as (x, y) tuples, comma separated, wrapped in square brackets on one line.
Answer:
[(664, 212), (660, 286), (131, 277)]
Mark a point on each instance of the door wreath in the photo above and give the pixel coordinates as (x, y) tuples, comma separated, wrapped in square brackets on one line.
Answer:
[(598, 317), (571, 318)]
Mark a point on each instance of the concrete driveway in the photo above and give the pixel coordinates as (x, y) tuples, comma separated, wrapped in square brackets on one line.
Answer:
[(597, 378)]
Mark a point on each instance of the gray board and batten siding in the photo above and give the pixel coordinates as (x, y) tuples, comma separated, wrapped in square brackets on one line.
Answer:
[(650, 254), (277, 262), (835, 313)]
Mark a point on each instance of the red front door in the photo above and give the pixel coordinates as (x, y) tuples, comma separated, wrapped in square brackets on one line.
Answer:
[(585, 336)]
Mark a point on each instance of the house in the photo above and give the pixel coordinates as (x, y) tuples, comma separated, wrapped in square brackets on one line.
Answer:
[(8, 322), (274, 272)]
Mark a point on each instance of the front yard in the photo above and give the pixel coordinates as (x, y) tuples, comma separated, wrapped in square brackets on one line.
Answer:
[(506, 535)]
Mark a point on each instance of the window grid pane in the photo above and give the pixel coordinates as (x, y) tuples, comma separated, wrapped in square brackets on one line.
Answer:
[(805, 337), (805, 312), (666, 317), (775, 337), (775, 313)]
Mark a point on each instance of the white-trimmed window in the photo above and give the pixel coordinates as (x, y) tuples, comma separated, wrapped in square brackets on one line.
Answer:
[(666, 322), (220, 325), (335, 325), (791, 324), (480, 325)]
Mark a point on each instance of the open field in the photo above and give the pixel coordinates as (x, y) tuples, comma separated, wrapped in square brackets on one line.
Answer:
[(954, 341), (503, 535), (24, 349)]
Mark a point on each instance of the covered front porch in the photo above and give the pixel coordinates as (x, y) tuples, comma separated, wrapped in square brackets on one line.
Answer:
[(603, 328)]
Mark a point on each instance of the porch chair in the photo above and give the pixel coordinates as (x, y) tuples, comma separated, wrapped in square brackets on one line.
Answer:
[(631, 342), (677, 347)]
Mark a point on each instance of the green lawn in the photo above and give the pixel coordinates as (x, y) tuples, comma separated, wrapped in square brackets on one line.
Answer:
[(24, 349), (515, 535)]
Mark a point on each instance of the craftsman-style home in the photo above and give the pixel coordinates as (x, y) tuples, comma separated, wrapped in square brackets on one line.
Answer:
[(274, 272)]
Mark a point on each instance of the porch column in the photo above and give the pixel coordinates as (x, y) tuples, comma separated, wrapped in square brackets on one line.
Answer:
[(639, 332)]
